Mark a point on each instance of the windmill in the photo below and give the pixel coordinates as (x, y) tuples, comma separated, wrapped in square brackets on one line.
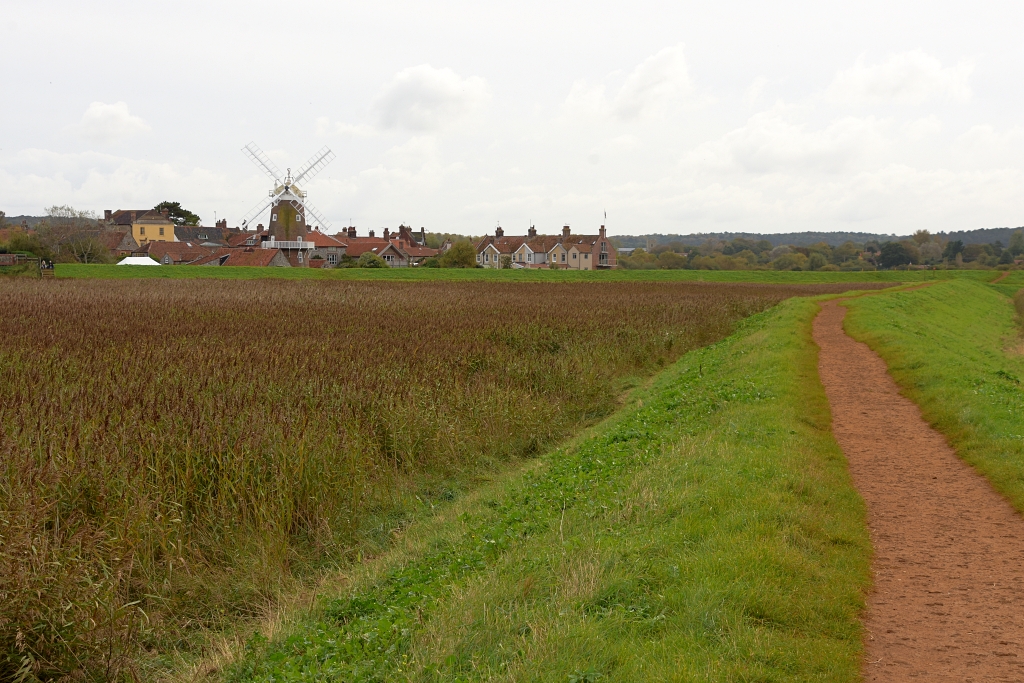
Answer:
[(289, 210)]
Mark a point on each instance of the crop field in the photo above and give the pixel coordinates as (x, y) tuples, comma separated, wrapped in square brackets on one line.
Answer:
[(175, 454), (517, 275)]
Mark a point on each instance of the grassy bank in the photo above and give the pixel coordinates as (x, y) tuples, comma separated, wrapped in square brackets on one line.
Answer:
[(522, 275), (955, 350), (709, 531)]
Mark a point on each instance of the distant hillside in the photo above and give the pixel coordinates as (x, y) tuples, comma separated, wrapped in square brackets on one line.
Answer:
[(803, 239), (16, 220)]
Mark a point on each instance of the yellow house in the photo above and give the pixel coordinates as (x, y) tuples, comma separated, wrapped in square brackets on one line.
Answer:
[(146, 225)]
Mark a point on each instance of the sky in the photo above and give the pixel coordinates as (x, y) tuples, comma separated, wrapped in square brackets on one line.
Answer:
[(671, 117)]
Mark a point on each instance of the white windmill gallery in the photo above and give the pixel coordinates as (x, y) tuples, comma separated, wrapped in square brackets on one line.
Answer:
[(290, 212)]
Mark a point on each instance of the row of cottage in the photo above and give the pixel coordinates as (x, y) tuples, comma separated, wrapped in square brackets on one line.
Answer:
[(575, 252), (152, 234)]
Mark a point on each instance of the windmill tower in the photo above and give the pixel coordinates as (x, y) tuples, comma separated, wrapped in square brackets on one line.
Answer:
[(290, 213)]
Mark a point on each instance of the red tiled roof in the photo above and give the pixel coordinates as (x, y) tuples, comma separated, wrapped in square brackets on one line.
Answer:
[(321, 240), (358, 245), (239, 239), (251, 256)]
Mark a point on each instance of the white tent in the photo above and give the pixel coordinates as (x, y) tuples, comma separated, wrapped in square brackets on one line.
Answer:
[(137, 261)]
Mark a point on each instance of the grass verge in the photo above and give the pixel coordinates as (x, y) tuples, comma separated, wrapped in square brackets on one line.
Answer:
[(708, 532), (71, 270), (955, 351)]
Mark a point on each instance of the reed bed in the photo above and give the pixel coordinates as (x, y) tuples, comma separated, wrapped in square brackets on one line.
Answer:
[(175, 453)]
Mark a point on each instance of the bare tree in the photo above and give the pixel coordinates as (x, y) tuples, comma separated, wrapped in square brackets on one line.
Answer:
[(62, 226)]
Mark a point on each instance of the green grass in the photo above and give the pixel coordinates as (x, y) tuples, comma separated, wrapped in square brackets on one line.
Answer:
[(523, 275), (709, 532), (955, 350)]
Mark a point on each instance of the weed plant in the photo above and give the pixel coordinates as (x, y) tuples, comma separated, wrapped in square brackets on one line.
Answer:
[(174, 452)]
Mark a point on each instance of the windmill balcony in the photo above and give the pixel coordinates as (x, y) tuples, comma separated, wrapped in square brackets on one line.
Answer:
[(287, 244)]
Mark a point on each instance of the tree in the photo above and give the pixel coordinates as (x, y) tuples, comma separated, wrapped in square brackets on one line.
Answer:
[(670, 260), (506, 261), (1017, 243), (922, 236), (953, 248), (88, 249), (178, 215), (817, 260), (62, 225), (894, 254), (462, 254), (370, 260)]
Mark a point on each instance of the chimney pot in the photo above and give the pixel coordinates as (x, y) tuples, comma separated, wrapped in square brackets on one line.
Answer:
[(498, 232), (565, 231), (387, 233), (532, 232), (371, 233)]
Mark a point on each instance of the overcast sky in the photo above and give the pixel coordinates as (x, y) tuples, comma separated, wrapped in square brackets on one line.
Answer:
[(673, 117)]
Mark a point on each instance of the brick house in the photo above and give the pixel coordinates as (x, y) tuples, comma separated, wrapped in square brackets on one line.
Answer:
[(575, 252)]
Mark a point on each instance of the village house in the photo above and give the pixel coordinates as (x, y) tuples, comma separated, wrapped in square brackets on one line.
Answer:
[(575, 252), (216, 236), (356, 246), (174, 253), (147, 225), (326, 249), (245, 256), (406, 249)]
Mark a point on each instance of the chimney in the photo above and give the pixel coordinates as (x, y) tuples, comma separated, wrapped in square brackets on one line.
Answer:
[(259, 227), (371, 233), (565, 232), (223, 224), (498, 232), (602, 232), (164, 212), (532, 232), (387, 234), (107, 213), (133, 216), (352, 232)]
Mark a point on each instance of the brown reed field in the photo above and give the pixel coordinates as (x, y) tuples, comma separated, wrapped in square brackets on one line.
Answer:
[(174, 454)]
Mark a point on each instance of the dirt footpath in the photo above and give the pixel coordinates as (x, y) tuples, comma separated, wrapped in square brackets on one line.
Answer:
[(948, 596)]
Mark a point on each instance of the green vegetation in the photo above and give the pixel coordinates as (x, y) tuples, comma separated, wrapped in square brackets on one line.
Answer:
[(709, 531), (955, 350), (741, 253), (177, 455), (71, 270)]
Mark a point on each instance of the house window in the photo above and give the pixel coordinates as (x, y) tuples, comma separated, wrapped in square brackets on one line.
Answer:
[(487, 258), (586, 256), (563, 257), (478, 258), (574, 256), (161, 231), (202, 236), (332, 259), (300, 257), (273, 217), (604, 247), (529, 257), (142, 229)]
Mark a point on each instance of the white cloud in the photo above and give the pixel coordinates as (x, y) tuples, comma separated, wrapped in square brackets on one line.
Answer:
[(983, 145), (324, 126), (422, 98), (771, 142), (653, 86), (103, 122), (906, 78), (652, 89), (922, 128)]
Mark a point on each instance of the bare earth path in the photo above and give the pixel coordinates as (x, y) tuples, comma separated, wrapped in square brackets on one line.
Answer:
[(948, 597)]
